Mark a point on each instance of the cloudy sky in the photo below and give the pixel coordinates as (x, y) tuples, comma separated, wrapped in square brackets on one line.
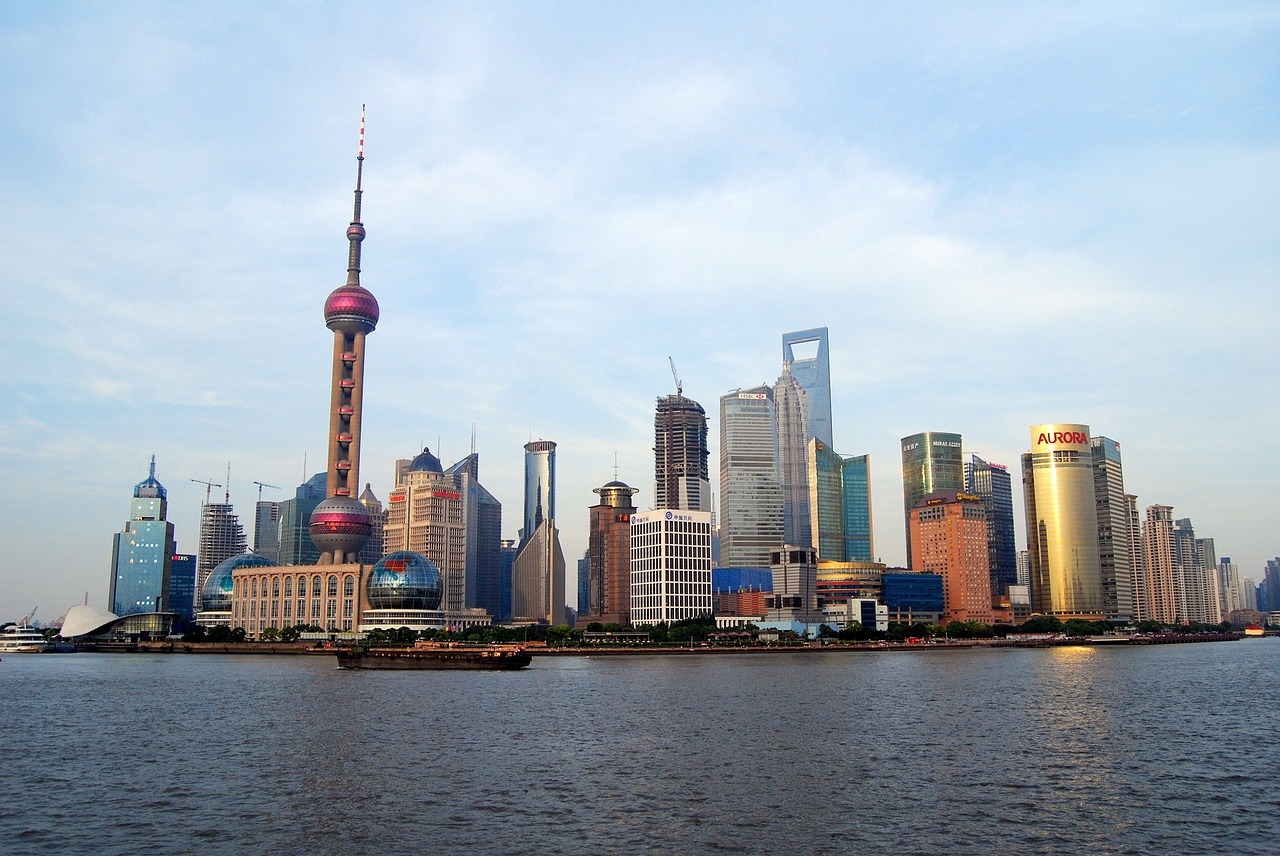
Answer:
[(1005, 214)]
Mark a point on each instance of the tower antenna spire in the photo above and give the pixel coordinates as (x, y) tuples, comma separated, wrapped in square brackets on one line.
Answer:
[(355, 232)]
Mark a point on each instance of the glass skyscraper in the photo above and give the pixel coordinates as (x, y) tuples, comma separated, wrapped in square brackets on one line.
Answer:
[(1113, 529), (791, 413), (813, 371), (994, 486), (142, 554), (680, 453), (931, 461), (750, 496), (840, 504)]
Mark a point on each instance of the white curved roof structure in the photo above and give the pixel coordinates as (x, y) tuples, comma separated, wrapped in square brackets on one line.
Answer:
[(82, 620)]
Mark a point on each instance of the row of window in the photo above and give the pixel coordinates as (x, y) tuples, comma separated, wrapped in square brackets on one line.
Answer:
[(249, 587)]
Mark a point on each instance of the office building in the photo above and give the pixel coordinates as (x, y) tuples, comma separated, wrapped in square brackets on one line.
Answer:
[(913, 598), (839, 504), (839, 581), (1062, 523), (266, 530), (795, 586), (375, 548), (932, 461), (1113, 529), (425, 516), (680, 453), (791, 414), (537, 574), (949, 537), (294, 542), (670, 565), (750, 495), (608, 599), (805, 357), (992, 483), (182, 586), (142, 554), (482, 518), (740, 591)]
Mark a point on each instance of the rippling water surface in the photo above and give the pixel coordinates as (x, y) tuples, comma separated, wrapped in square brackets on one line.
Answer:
[(1168, 749)]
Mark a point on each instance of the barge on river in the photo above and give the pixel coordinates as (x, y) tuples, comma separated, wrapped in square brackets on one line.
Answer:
[(434, 655)]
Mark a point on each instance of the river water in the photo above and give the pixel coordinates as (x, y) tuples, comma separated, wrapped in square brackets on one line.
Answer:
[(1163, 749)]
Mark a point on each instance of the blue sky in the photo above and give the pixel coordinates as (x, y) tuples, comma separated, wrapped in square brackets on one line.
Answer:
[(1005, 214)]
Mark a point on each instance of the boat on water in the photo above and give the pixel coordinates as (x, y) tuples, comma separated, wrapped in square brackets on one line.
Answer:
[(22, 639), (436, 655)]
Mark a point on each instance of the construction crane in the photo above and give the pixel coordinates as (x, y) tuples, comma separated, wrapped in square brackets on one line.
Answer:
[(261, 485), (679, 386), (208, 488), (26, 619)]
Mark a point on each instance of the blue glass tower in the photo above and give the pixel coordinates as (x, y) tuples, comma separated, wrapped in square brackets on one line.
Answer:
[(814, 374), (142, 554)]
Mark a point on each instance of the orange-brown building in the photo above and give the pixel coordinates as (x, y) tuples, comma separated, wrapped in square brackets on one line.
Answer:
[(609, 556), (949, 538)]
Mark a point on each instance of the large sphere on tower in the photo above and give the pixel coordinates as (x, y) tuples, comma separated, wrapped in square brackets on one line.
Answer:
[(340, 523), (351, 309)]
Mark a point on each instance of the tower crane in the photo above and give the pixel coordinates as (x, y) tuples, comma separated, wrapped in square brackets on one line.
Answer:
[(261, 485), (208, 488), (679, 386)]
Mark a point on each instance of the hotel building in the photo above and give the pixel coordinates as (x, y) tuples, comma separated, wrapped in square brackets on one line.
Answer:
[(949, 537), (931, 461)]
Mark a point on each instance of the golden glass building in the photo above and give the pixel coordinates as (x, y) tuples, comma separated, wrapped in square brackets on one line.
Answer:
[(1062, 523)]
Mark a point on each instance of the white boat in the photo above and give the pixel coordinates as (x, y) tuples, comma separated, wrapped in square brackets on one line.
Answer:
[(21, 639)]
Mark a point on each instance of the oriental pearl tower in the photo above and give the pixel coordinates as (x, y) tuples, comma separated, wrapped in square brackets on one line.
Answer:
[(340, 525)]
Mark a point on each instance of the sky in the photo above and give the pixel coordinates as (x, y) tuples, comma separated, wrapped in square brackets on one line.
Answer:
[(1005, 214)]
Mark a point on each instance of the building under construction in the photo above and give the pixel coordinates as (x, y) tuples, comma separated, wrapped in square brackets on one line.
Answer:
[(680, 455)]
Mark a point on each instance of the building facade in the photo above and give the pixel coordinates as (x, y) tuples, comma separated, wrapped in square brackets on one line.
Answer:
[(1113, 530), (751, 520), (221, 537), (1062, 523), (1160, 597), (294, 543), (680, 455), (932, 461), (992, 483), (670, 565), (142, 554), (949, 537), (805, 357), (425, 516), (608, 585)]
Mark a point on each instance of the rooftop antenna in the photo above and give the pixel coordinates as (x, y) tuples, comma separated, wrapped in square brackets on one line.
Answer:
[(679, 386), (615, 466), (356, 227), (473, 438)]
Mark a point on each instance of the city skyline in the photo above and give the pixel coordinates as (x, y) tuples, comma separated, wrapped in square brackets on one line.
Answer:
[(540, 174)]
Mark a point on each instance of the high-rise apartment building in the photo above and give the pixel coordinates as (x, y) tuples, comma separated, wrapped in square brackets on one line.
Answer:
[(670, 565), (1138, 585), (1195, 575), (839, 504), (1113, 529), (537, 575), (791, 413), (425, 516), (949, 537), (805, 357), (680, 455), (932, 461), (1160, 597), (142, 554), (993, 485), (1062, 523), (750, 496), (1230, 594), (609, 556)]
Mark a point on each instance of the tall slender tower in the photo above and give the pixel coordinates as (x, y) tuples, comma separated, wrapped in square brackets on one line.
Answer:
[(341, 525)]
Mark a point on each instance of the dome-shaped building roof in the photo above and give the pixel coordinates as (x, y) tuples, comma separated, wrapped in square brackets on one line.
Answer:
[(340, 523), (216, 594), (351, 308), (425, 463), (404, 580)]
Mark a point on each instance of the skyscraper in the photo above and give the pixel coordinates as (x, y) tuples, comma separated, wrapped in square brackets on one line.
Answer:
[(295, 547), (932, 461), (221, 537), (340, 526), (813, 371), (537, 575), (482, 515), (1160, 596), (949, 536), (1062, 523), (992, 483), (1113, 529), (609, 555), (142, 555), (839, 504), (375, 548), (791, 411), (680, 455), (670, 565), (750, 497), (266, 530), (425, 516)]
